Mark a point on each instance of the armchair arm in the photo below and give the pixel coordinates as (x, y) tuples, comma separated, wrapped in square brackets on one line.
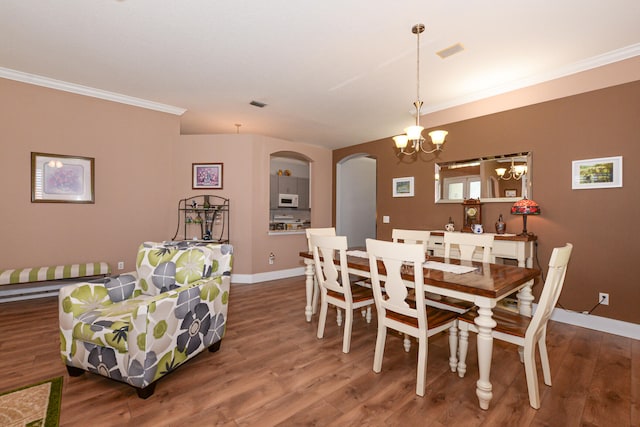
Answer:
[(73, 301), (172, 327)]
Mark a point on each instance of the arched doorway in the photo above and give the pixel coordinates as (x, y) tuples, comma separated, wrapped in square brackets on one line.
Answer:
[(356, 198)]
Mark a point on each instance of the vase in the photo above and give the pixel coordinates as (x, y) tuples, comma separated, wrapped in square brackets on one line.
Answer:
[(450, 226), (501, 227)]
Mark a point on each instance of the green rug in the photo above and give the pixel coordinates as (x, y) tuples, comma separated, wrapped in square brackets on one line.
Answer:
[(32, 406)]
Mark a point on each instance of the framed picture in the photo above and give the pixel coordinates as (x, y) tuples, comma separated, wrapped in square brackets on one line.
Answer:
[(61, 179), (206, 176), (605, 172), (403, 187), (510, 193)]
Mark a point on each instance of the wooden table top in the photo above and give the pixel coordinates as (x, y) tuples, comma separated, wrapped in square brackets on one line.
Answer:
[(489, 280)]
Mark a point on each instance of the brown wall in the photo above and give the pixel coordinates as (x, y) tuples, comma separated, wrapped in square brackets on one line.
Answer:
[(598, 222)]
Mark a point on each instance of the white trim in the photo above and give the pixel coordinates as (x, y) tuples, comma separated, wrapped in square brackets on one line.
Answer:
[(574, 68), (88, 91), (269, 275), (597, 323)]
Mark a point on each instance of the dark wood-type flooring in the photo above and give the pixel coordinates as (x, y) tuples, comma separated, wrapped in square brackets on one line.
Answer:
[(272, 370)]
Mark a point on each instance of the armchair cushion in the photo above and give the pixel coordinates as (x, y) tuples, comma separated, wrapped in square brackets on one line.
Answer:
[(161, 267)]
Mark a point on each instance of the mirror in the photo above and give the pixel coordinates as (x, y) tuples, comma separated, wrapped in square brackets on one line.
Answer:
[(502, 178)]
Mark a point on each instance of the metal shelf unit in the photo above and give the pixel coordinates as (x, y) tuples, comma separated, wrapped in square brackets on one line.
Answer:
[(204, 217)]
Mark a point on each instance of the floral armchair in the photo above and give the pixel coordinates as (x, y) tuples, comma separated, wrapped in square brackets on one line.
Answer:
[(138, 327)]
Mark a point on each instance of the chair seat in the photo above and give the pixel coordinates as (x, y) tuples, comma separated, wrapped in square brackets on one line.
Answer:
[(507, 321), (435, 317), (358, 294)]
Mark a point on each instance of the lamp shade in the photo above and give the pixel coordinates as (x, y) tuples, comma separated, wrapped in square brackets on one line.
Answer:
[(414, 132), (401, 141), (438, 136), (525, 207)]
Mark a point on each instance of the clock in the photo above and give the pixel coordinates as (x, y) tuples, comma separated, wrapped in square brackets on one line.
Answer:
[(471, 214)]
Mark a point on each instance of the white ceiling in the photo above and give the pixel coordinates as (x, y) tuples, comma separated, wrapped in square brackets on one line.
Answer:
[(333, 72)]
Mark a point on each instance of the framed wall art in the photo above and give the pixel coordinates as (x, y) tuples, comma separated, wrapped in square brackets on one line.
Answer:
[(511, 193), (403, 187), (605, 172), (62, 179), (206, 176)]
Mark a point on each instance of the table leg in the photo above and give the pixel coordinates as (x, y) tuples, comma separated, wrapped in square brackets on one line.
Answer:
[(309, 273), (485, 324), (525, 299)]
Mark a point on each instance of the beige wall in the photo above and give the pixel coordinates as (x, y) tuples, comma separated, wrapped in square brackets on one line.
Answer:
[(246, 183), (133, 171), (143, 167), (600, 223)]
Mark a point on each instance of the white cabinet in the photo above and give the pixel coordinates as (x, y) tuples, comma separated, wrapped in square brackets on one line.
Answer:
[(520, 248)]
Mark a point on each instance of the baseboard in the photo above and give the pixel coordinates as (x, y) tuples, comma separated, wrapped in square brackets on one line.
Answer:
[(265, 277), (589, 321), (597, 323)]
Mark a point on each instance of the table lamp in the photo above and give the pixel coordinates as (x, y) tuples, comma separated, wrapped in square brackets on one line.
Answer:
[(525, 207)]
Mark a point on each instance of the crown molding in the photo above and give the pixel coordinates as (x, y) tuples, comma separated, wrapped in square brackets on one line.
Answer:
[(88, 91), (607, 58)]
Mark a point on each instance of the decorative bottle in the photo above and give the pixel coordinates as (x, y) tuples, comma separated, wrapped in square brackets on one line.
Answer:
[(501, 227)]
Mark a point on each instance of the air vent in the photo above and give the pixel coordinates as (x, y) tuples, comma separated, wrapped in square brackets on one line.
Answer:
[(258, 104), (451, 50)]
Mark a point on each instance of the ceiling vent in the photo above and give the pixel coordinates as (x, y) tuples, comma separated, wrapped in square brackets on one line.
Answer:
[(451, 50), (258, 104)]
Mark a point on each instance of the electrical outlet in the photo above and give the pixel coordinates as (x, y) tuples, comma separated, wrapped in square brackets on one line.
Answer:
[(603, 298), (272, 258), (120, 265), (386, 219)]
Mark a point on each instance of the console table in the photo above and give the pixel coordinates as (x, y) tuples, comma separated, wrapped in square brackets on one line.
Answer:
[(510, 246)]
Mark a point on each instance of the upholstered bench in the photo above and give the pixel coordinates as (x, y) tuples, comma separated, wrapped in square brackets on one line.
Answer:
[(38, 282)]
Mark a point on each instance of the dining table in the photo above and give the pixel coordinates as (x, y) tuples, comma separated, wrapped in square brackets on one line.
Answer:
[(484, 284)]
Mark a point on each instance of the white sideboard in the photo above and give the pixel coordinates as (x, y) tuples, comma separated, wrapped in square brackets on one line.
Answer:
[(510, 246)]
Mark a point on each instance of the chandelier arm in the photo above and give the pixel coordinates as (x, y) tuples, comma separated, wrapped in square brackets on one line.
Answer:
[(430, 151)]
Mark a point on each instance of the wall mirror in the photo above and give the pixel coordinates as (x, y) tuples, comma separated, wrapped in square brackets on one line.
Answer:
[(501, 178)]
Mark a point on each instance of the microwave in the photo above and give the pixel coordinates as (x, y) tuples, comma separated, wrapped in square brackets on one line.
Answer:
[(287, 200)]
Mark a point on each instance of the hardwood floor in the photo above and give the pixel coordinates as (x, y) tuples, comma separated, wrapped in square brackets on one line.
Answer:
[(272, 370)]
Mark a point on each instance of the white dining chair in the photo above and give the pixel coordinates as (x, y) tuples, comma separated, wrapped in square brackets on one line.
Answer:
[(335, 286), (326, 231), (399, 235), (467, 244), (398, 311), (524, 331)]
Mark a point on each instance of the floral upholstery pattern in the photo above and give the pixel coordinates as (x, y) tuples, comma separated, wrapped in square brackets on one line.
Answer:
[(138, 327)]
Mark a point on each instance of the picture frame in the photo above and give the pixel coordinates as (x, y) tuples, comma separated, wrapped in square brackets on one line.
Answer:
[(510, 192), (403, 187), (206, 176), (57, 178), (603, 172)]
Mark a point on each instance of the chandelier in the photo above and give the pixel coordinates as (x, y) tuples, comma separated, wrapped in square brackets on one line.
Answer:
[(413, 134), (515, 172)]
